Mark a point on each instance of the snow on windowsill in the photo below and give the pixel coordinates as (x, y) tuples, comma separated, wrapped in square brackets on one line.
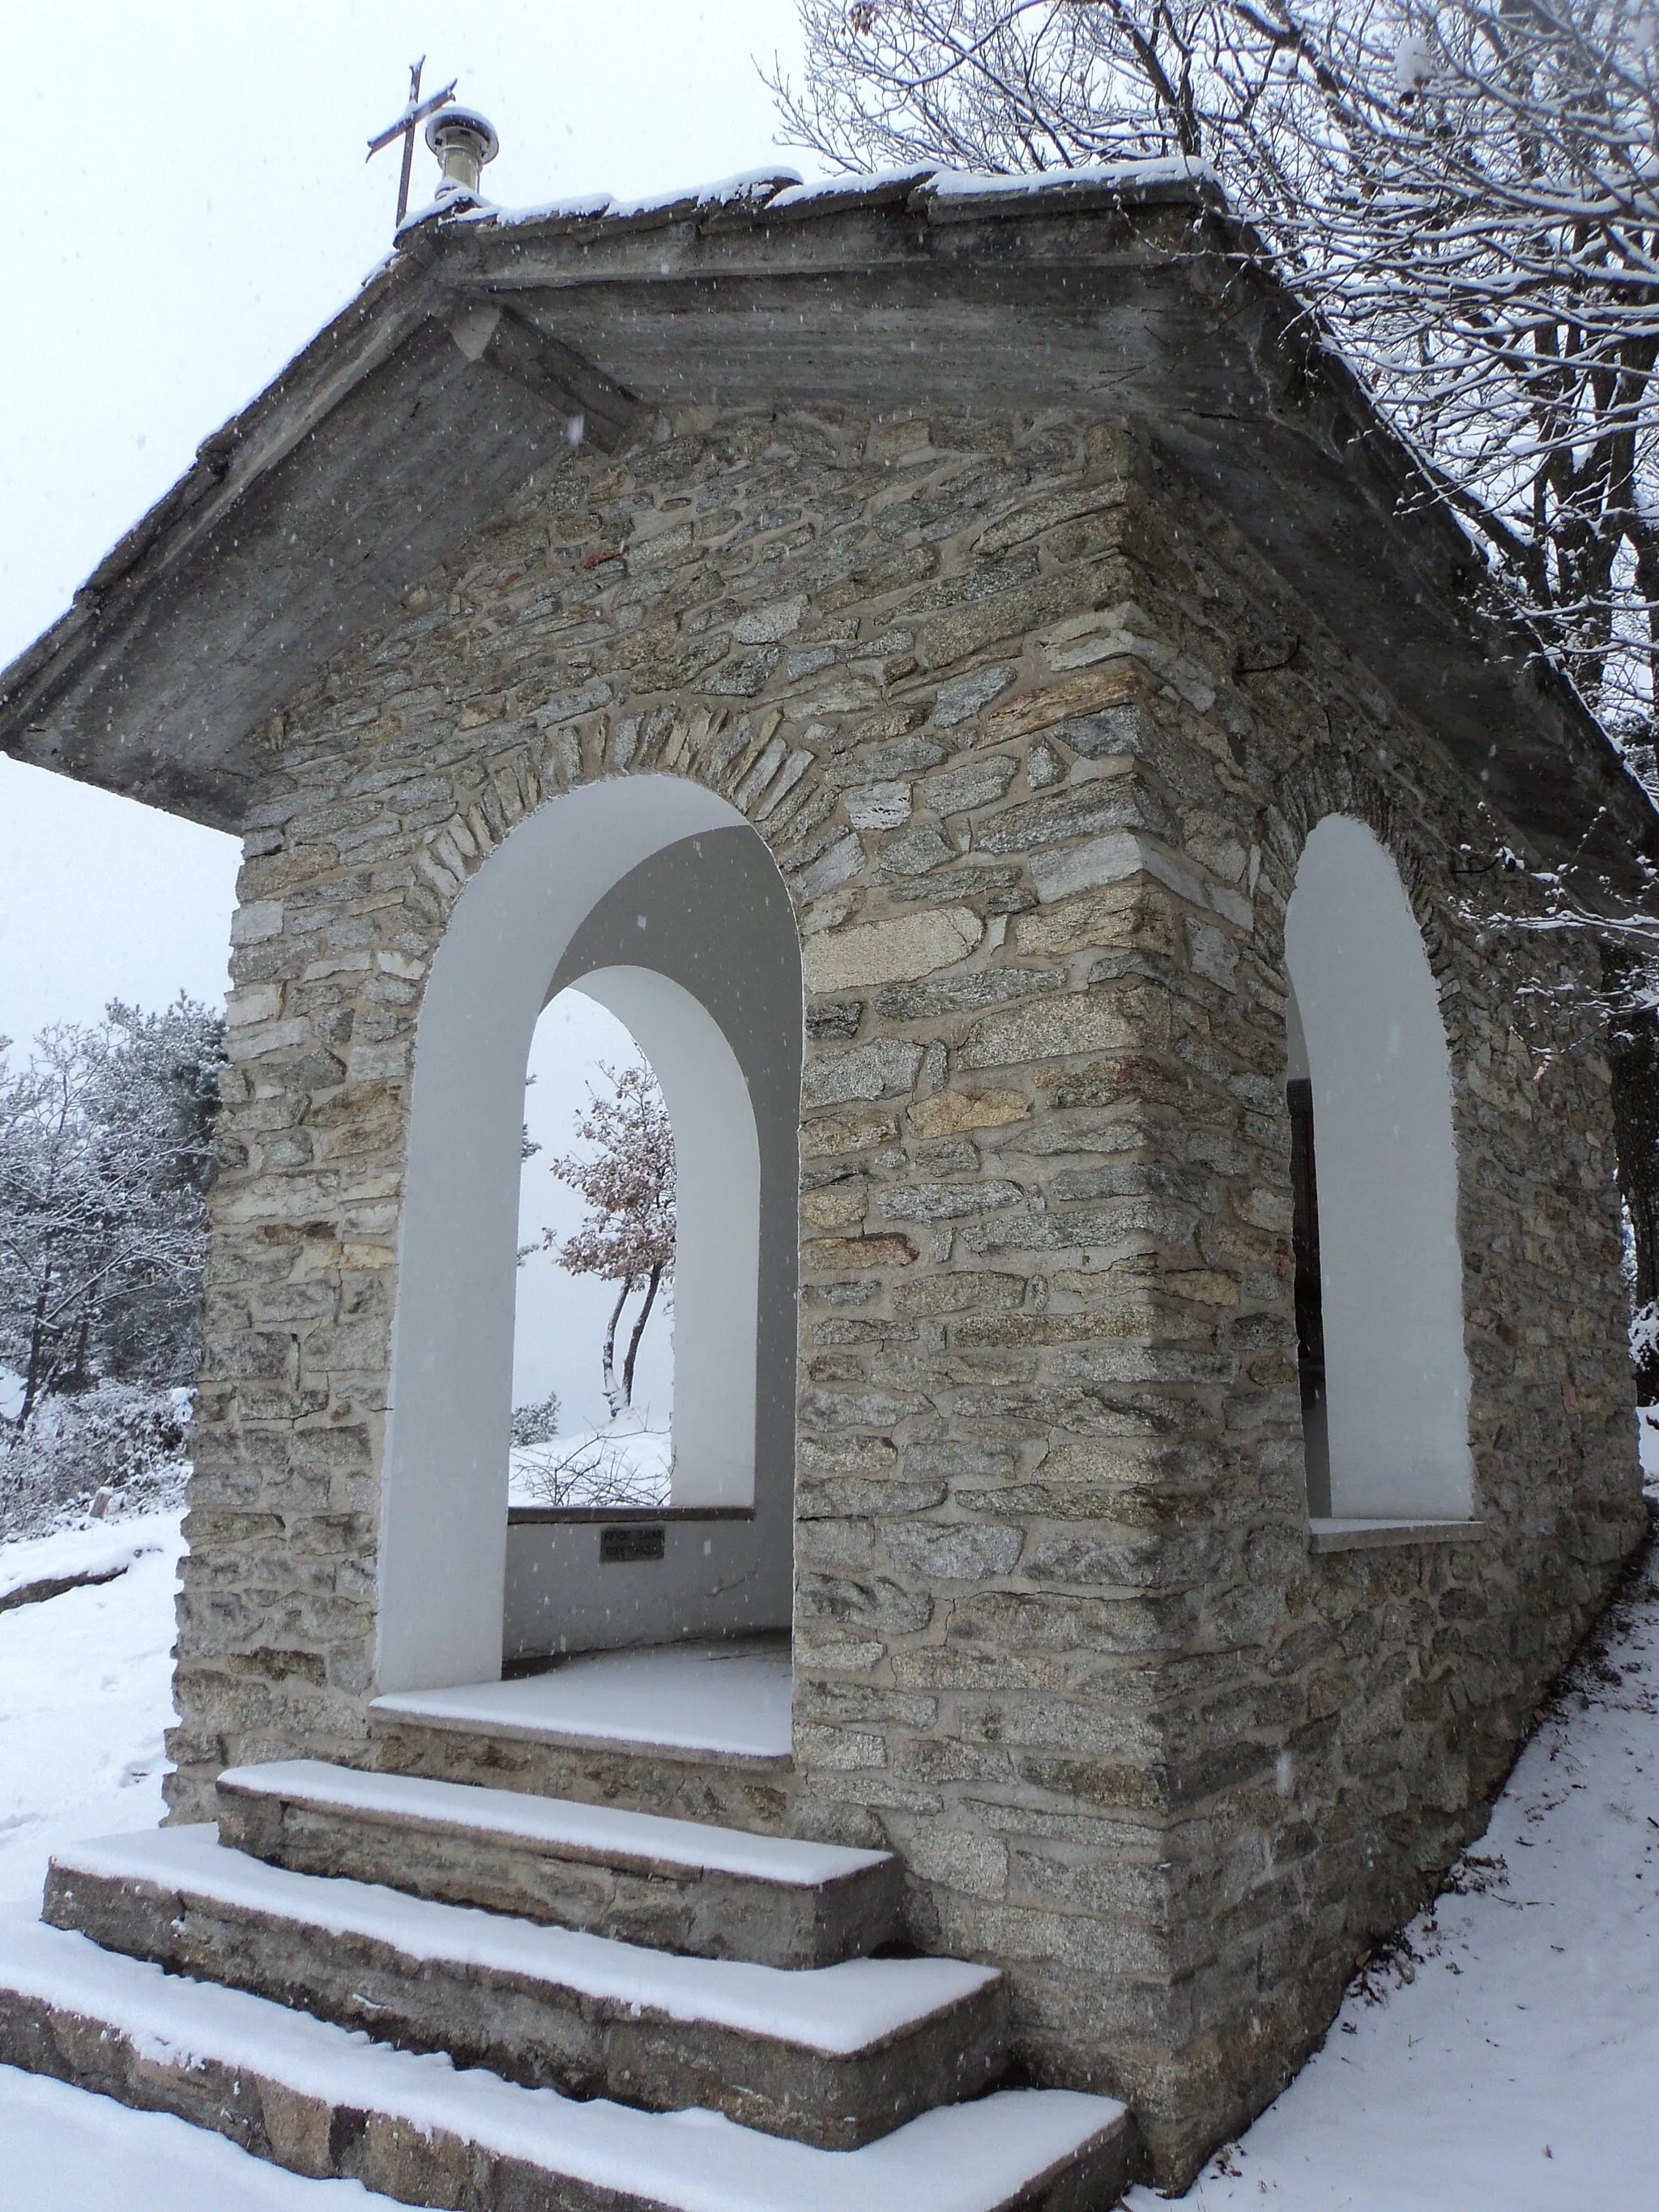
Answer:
[(1647, 1446), (1358, 1536)]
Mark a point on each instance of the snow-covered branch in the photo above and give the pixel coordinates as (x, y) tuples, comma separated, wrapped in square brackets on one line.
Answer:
[(1468, 193)]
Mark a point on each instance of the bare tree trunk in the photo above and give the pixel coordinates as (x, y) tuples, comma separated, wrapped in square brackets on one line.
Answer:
[(35, 1376), (639, 1331), (76, 1379), (613, 1396)]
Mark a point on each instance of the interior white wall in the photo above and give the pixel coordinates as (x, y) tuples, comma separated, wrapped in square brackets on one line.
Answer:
[(1397, 1373), (717, 1230), (443, 1524)]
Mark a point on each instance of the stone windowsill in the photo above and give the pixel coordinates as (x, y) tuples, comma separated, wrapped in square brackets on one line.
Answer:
[(536, 1517), (1376, 1535)]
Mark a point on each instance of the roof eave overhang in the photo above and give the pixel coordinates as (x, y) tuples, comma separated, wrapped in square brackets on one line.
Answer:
[(459, 370)]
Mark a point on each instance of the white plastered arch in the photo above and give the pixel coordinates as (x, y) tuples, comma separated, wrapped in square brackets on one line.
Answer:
[(1397, 1377), (443, 1508)]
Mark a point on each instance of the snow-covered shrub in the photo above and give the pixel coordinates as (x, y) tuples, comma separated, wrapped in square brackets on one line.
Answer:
[(537, 1424), (127, 1440)]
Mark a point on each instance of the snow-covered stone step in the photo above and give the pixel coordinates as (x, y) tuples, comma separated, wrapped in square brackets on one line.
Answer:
[(677, 1885), (326, 2103), (501, 1736), (834, 2056)]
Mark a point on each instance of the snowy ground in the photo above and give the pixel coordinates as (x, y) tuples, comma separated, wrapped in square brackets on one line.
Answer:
[(1508, 2061), (625, 1464), (84, 1697), (85, 1691)]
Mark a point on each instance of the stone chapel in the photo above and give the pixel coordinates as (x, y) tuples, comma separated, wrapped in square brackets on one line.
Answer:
[(957, 667)]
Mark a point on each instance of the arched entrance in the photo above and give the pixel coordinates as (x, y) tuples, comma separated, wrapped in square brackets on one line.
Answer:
[(1386, 1412), (658, 899)]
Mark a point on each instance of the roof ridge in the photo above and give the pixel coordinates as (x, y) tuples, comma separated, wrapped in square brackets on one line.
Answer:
[(932, 189)]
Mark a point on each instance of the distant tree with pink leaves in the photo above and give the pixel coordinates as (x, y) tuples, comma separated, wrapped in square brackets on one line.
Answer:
[(626, 1179)]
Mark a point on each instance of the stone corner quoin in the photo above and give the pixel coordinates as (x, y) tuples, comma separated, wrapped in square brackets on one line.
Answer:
[(991, 690)]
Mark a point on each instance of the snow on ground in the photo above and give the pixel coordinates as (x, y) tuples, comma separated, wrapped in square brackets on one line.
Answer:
[(90, 1548), (626, 1464), (1506, 2061), (70, 2152), (1517, 2069), (85, 1693)]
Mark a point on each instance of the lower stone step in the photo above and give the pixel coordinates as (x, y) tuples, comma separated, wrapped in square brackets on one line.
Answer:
[(328, 2105), (834, 2056), (676, 1884)]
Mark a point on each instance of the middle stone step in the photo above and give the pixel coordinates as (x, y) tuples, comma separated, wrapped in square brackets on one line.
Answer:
[(676, 1884), (835, 2055)]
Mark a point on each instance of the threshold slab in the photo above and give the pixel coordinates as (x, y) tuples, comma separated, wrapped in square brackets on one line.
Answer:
[(731, 1699)]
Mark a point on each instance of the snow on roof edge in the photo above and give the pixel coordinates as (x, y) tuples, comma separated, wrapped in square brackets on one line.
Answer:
[(1109, 176), (760, 185), (786, 192), (851, 184)]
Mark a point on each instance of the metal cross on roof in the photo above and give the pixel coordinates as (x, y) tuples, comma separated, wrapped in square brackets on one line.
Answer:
[(416, 112)]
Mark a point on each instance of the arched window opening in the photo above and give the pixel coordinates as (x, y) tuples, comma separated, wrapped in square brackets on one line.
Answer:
[(650, 899), (593, 1347), (1378, 1274)]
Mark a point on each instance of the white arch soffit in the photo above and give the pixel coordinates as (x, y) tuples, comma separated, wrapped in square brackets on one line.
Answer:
[(717, 1229), (443, 1503), (1397, 1377)]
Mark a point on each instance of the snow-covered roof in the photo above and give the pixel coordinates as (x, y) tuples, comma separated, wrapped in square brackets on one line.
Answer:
[(783, 192)]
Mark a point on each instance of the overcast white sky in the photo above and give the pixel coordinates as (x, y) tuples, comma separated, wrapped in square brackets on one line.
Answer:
[(188, 202), (199, 205)]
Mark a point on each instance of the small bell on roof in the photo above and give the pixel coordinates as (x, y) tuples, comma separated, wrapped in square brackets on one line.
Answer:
[(463, 140)]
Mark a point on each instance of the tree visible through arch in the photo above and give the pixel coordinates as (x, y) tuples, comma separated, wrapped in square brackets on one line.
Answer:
[(627, 1180)]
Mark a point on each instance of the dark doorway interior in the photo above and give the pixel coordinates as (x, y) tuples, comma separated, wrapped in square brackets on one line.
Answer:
[(1310, 1297)]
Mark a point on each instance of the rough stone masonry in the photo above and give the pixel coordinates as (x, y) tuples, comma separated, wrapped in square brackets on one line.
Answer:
[(1035, 740)]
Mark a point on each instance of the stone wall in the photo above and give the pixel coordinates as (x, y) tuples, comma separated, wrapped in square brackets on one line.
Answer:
[(1035, 743)]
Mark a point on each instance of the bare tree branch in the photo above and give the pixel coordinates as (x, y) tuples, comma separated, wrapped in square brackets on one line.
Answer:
[(1469, 194)]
